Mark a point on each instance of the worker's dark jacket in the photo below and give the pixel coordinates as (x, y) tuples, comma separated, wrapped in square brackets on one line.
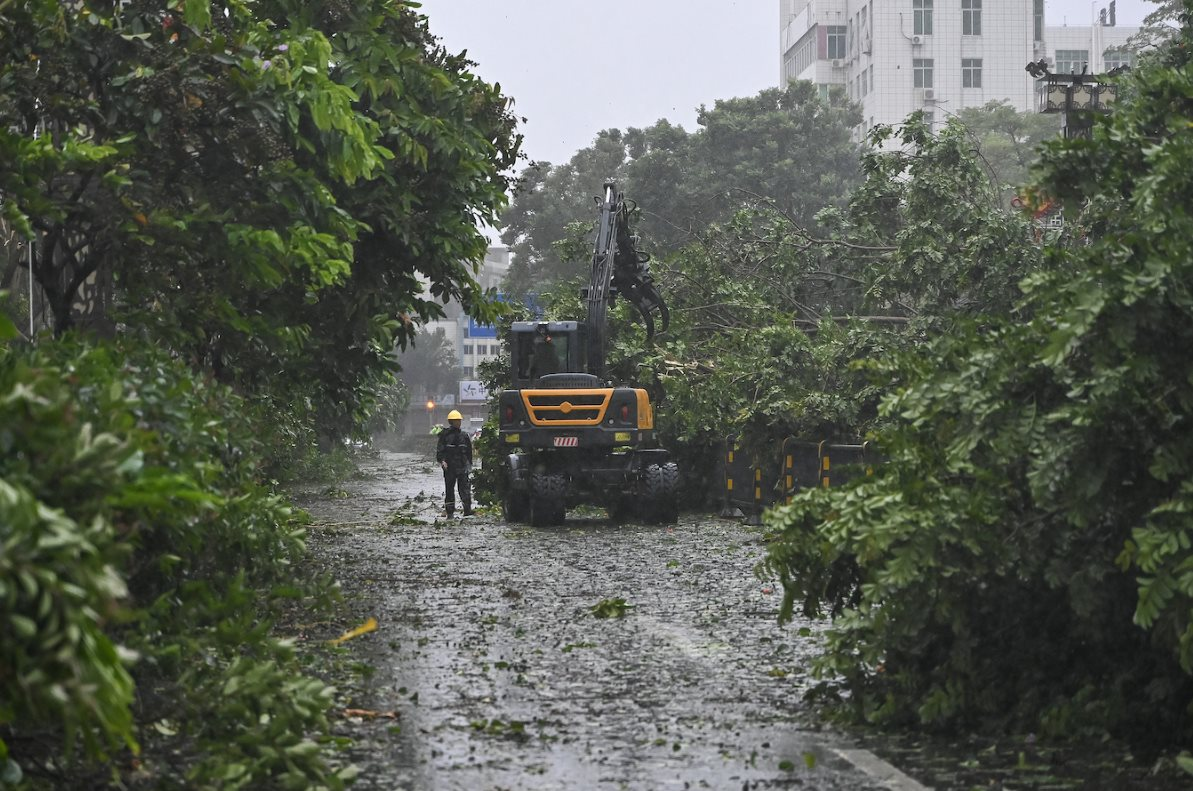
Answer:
[(455, 447)]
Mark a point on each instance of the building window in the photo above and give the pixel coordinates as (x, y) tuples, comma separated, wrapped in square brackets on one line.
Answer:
[(1117, 57), (921, 71), (971, 72), (822, 89), (1071, 61), (971, 17), (873, 85), (921, 17), (865, 82), (1037, 14), (467, 348), (803, 54), (836, 41)]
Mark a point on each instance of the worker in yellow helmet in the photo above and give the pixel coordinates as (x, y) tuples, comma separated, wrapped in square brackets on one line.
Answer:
[(454, 455)]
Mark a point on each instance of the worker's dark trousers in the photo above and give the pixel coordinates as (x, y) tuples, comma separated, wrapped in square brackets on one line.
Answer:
[(456, 479)]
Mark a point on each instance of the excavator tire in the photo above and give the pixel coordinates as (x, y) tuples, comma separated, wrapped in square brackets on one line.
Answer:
[(661, 490), (548, 498), (515, 506)]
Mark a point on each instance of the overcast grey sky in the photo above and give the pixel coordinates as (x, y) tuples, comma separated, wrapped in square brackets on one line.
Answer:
[(576, 67)]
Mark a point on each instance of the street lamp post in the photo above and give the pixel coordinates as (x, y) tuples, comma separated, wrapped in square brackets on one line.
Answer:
[(1077, 96), (430, 414)]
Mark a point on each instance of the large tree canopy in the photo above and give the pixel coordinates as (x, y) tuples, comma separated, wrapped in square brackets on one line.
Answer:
[(259, 185), (787, 146)]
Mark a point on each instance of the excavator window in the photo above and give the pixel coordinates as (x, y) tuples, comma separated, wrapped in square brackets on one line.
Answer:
[(540, 352), (522, 347), (546, 355)]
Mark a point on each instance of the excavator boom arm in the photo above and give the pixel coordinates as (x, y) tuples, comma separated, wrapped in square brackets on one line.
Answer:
[(618, 267)]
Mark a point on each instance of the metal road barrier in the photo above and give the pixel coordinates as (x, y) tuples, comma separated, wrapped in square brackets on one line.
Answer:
[(801, 465), (751, 486), (742, 483), (840, 463)]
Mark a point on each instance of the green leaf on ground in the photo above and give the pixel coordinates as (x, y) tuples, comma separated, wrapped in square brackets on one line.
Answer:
[(611, 608)]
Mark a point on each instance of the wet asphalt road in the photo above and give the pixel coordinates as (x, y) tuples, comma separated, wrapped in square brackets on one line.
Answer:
[(500, 676)]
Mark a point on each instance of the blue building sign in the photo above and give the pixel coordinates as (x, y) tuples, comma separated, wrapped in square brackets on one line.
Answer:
[(476, 330), (479, 330)]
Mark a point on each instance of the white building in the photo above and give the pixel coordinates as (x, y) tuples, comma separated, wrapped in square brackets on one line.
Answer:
[(1098, 47), (897, 56)]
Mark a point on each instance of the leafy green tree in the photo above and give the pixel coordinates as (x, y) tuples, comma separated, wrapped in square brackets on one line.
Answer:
[(257, 186), (1008, 141), (1022, 560), (771, 321), (784, 146), (546, 201)]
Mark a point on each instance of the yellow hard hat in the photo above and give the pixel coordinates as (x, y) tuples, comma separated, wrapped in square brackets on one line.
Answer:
[(455, 415)]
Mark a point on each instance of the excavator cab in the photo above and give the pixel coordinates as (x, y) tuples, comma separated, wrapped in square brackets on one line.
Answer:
[(543, 348)]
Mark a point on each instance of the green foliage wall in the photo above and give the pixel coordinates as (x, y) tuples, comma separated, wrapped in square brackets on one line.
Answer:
[(259, 201), (138, 547), (1023, 559)]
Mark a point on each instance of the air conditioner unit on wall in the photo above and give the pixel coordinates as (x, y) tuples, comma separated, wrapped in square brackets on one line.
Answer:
[(929, 95), (838, 63), (917, 41)]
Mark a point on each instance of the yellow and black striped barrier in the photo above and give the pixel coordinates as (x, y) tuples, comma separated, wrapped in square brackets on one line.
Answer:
[(752, 486)]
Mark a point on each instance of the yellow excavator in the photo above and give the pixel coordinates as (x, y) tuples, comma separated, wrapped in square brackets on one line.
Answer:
[(573, 437)]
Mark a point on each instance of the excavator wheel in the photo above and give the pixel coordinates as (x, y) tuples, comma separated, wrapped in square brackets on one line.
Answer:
[(548, 498), (661, 489), (515, 506)]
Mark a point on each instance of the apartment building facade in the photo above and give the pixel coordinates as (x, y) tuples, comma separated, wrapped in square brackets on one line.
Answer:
[(896, 56)]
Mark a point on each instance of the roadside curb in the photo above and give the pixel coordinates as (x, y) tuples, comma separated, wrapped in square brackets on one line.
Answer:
[(880, 770)]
